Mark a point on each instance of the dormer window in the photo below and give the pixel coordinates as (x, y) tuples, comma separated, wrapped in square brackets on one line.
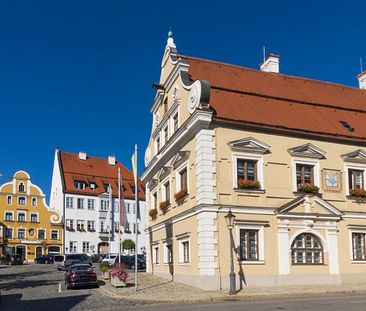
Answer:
[(21, 187), (92, 186), (80, 185)]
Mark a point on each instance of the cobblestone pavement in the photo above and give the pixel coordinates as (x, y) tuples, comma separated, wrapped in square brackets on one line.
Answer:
[(36, 287)]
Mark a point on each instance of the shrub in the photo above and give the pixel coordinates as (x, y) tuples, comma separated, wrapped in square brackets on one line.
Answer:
[(164, 205), (180, 195), (104, 267), (118, 273), (307, 188), (153, 213), (248, 184)]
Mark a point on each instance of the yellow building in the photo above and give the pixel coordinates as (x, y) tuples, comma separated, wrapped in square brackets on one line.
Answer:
[(27, 226)]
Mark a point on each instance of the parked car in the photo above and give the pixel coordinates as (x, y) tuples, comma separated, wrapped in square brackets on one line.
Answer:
[(95, 258), (58, 259), (44, 259), (79, 275), (11, 260), (110, 259), (71, 259), (129, 261)]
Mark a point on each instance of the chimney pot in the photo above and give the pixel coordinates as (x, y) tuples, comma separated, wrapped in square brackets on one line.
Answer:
[(271, 64), (111, 160), (82, 155), (362, 80)]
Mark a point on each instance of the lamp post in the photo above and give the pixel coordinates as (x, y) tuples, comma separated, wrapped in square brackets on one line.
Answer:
[(230, 218)]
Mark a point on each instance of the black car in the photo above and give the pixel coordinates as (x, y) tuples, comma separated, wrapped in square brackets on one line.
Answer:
[(129, 261), (80, 275), (44, 259), (11, 260), (72, 259)]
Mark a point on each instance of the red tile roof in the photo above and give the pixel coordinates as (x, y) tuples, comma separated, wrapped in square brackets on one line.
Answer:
[(254, 97), (96, 170)]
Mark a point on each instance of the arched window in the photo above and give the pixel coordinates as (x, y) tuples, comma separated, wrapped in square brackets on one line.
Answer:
[(306, 249), (21, 187)]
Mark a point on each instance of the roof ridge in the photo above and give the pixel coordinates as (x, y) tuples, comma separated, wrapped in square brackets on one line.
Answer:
[(271, 73)]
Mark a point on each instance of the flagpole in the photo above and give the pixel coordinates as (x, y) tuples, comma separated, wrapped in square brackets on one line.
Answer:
[(119, 225), (136, 203)]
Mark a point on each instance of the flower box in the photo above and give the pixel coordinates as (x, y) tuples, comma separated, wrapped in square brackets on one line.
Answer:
[(249, 184), (307, 188), (153, 213), (116, 282), (105, 275), (359, 193), (180, 195), (164, 205)]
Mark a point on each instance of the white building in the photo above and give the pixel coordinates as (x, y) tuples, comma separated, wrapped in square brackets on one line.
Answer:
[(79, 192)]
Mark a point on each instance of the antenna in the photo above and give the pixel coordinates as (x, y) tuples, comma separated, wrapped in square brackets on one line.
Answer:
[(264, 53), (361, 67)]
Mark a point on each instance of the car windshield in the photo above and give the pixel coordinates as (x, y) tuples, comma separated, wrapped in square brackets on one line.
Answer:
[(17, 256), (59, 258), (73, 257), (81, 268)]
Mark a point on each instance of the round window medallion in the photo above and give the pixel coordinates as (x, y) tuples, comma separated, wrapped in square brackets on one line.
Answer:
[(31, 232)]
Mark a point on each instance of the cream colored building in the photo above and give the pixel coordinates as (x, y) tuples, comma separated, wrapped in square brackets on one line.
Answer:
[(285, 154)]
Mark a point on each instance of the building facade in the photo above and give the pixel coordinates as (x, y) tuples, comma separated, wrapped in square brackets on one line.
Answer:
[(286, 155), (27, 226), (80, 193)]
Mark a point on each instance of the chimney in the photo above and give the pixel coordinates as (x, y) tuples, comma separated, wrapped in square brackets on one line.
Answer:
[(362, 80), (271, 64), (111, 160), (82, 155)]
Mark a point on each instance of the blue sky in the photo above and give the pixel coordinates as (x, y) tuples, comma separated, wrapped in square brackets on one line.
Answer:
[(77, 74)]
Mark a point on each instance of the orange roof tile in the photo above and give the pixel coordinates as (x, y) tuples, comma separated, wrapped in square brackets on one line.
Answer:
[(96, 170)]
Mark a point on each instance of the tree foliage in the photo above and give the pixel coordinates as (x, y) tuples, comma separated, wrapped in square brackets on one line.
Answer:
[(128, 244)]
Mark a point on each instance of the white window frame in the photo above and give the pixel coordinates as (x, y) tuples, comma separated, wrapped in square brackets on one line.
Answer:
[(45, 233), (90, 222), (88, 205), (316, 172), (12, 212), (181, 250), (25, 233), (22, 184), (350, 231), (163, 192), (153, 200), (165, 248), (88, 249), (30, 217), (70, 221), (58, 234), (82, 224), (71, 200), (165, 126), (346, 175), (25, 216), (25, 200), (75, 247), (174, 112), (154, 247), (82, 203), (34, 200), (157, 137), (12, 232), (252, 226), (11, 199), (177, 176), (246, 156)]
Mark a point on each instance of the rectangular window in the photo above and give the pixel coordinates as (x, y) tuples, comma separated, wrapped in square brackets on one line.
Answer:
[(246, 170), (155, 199), (116, 226), (185, 246), (54, 234), (80, 225), (249, 245), (165, 105), (91, 225), (9, 216), (73, 246), (8, 233), (21, 233), (41, 234), (167, 191), (69, 202), (69, 224), (90, 204), (169, 253), (33, 217), (102, 226), (128, 208), (358, 246), (80, 185), (355, 179), (157, 144), (304, 174), (175, 122), (21, 216), (183, 179), (104, 205), (21, 201), (166, 134), (34, 201), (9, 200), (156, 255), (80, 203), (116, 206), (86, 247)]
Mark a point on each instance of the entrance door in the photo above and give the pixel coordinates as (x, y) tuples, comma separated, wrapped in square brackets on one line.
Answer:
[(103, 248), (38, 251), (21, 250)]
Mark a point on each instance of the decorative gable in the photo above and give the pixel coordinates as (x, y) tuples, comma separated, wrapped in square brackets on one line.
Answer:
[(309, 204), (358, 156), (307, 151), (250, 145), (179, 158), (164, 172)]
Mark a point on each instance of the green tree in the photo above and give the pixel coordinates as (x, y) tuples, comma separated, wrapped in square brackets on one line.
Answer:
[(128, 244)]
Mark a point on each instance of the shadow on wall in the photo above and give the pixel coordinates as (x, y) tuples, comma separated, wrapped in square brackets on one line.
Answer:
[(15, 303), (169, 236)]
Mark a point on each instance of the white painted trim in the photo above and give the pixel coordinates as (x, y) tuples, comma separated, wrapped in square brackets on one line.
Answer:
[(163, 190), (311, 231), (248, 156), (25, 232), (360, 167), (316, 171), (283, 251), (177, 176), (181, 250), (260, 228), (350, 231), (12, 212), (33, 213), (11, 199), (25, 215)]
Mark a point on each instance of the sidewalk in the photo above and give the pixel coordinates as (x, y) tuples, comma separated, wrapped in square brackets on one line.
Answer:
[(153, 289)]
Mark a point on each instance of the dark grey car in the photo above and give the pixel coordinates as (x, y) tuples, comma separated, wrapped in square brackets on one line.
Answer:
[(71, 259)]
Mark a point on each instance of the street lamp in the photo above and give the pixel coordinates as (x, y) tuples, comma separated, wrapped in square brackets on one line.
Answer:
[(230, 218)]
